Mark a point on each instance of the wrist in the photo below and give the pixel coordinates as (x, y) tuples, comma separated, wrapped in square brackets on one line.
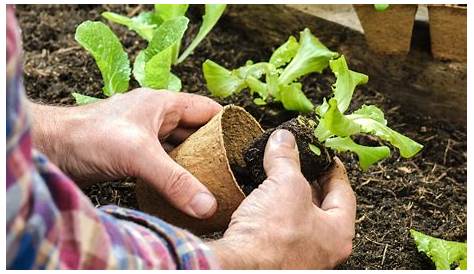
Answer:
[(232, 255), (52, 130)]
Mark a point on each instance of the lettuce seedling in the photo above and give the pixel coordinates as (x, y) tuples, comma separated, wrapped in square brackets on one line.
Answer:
[(334, 128), (445, 254), (110, 57), (276, 79), (329, 129), (162, 28)]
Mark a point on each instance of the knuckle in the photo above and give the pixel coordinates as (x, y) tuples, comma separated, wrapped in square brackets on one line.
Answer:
[(177, 184)]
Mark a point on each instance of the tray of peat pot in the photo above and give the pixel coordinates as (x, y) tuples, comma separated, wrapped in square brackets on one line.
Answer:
[(448, 31), (387, 29)]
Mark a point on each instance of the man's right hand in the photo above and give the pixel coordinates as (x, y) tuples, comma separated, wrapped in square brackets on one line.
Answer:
[(286, 224)]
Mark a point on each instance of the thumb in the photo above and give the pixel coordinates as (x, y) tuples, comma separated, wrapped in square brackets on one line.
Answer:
[(176, 184), (281, 160)]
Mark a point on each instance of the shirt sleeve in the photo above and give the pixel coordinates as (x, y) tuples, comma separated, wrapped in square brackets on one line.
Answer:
[(51, 224)]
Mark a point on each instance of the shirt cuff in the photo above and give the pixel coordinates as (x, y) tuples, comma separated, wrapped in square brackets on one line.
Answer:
[(188, 251)]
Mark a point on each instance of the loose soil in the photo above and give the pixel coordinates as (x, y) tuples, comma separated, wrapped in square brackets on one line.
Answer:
[(427, 192)]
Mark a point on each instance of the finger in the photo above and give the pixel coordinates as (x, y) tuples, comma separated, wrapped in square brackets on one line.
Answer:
[(282, 164), (176, 184), (195, 110), (281, 153), (337, 193), (178, 135), (167, 147)]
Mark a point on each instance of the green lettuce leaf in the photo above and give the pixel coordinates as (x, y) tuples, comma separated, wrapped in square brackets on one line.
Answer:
[(212, 14), (381, 7), (164, 38), (333, 122), (166, 35), (443, 253), (158, 70), (170, 11), (367, 155), (144, 24), (100, 41), (293, 98), (346, 82), (408, 148), (256, 86), (316, 150), (84, 99), (220, 81), (372, 112), (283, 54), (256, 70), (312, 56), (174, 83)]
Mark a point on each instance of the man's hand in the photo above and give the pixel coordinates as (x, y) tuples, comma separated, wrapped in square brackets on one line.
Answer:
[(128, 135), (279, 226)]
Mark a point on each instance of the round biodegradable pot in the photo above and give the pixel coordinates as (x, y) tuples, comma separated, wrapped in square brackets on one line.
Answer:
[(448, 31), (208, 154), (389, 31)]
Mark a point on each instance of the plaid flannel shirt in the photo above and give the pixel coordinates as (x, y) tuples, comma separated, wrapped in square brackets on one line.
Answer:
[(51, 224)]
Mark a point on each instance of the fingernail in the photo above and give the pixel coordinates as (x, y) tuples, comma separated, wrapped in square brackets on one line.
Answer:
[(283, 137), (202, 203)]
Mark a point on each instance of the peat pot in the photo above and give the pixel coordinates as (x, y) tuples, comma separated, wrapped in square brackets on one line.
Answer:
[(208, 154), (448, 31), (388, 31)]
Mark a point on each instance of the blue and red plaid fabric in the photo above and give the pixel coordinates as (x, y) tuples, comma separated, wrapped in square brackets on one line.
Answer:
[(51, 224)]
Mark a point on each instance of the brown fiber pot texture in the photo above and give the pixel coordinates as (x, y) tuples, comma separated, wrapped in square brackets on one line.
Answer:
[(208, 155), (448, 31), (389, 31)]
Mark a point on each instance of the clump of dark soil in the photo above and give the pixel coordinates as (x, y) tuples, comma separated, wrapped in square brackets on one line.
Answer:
[(427, 193), (312, 165)]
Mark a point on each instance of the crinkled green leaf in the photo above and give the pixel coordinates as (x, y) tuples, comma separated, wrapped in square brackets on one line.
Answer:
[(312, 56), (443, 253), (144, 24), (84, 99), (164, 38), (372, 112), (212, 14), (157, 70), (256, 86), (170, 11), (283, 54), (408, 148), (100, 41), (220, 81), (346, 82), (293, 98), (321, 109), (367, 155), (256, 70), (333, 122)]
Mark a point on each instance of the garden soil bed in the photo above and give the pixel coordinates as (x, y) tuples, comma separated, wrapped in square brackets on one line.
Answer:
[(427, 193)]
